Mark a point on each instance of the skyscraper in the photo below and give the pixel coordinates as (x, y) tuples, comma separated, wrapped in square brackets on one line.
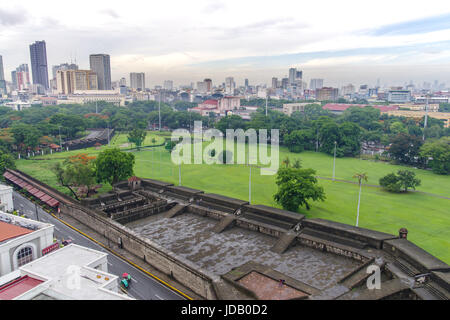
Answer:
[(2, 74), (168, 85), (100, 64), (21, 77), (137, 80), (274, 82), (292, 75), (230, 85), (38, 57), (316, 84)]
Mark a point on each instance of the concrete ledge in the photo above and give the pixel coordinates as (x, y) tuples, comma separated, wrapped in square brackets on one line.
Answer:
[(222, 200), (415, 255), (371, 237)]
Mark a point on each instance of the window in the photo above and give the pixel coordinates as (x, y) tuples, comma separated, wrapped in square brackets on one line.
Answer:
[(24, 256)]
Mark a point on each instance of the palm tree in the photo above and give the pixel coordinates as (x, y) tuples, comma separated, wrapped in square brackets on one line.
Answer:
[(360, 177)]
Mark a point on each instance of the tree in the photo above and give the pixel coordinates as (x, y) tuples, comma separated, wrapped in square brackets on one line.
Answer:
[(6, 161), (137, 136), (113, 165), (408, 179), (170, 145), (77, 172), (361, 177), (296, 187), (438, 154), (25, 135), (405, 148)]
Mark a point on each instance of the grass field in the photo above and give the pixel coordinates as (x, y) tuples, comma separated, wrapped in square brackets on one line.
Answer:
[(425, 216)]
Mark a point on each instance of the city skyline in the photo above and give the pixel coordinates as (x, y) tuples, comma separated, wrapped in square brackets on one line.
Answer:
[(396, 43)]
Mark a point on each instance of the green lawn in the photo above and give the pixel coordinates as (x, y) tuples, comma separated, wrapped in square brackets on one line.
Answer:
[(425, 216)]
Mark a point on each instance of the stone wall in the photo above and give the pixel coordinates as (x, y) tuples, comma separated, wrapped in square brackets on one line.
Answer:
[(180, 269)]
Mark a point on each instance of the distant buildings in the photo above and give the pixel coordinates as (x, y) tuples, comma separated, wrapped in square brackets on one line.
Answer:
[(327, 94), (100, 64), (39, 69), (208, 83), (137, 80), (274, 82)]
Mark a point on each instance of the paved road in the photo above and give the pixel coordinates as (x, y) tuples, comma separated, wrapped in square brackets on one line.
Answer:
[(143, 287)]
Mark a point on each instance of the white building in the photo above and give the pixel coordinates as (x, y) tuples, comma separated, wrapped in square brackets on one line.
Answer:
[(137, 80), (21, 241), (18, 105), (399, 96), (6, 199), (70, 273)]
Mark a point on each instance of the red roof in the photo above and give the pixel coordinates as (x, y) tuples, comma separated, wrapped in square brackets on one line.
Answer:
[(17, 287), (213, 102), (10, 231), (343, 107), (134, 178)]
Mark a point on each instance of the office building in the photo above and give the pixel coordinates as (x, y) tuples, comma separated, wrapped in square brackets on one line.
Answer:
[(67, 81), (327, 94), (274, 82), (63, 66), (315, 84), (208, 83), (21, 77), (123, 82), (100, 64), (168, 85), (38, 57), (399, 96), (137, 80)]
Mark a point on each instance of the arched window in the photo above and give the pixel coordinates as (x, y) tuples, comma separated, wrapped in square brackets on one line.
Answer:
[(24, 256)]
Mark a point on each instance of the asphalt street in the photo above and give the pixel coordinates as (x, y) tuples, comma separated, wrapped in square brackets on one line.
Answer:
[(142, 286)]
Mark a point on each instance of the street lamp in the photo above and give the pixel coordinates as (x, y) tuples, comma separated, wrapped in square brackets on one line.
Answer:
[(334, 159), (60, 143), (159, 110)]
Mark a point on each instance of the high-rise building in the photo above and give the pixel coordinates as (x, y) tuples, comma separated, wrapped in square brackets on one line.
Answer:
[(123, 82), (327, 94), (230, 85), (246, 83), (137, 80), (284, 83), (39, 69), (2, 74), (100, 64), (201, 87), (315, 84), (292, 75), (68, 81), (21, 77), (274, 82), (208, 83), (168, 85), (63, 66)]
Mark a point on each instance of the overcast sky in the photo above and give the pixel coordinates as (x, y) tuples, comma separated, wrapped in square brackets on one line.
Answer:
[(186, 41)]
